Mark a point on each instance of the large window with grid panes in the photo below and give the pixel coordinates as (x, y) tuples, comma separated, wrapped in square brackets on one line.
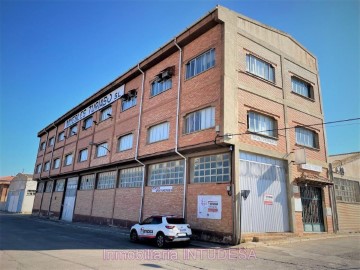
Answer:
[(87, 182), (200, 64), (106, 180), (211, 169), (347, 190), (60, 185), (166, 173), (131, 177)]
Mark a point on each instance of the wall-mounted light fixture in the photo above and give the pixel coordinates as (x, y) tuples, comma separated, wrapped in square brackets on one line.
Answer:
[(109, 115), (99, 145)]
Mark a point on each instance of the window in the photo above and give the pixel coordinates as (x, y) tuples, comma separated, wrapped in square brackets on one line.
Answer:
[(49, 186), (68, 159), (128, 103), (51, 141), (131, 177), (47, 166), (73, 130), (199, 120), (88, 123), (159, 132), (302, 88), (158, 87), (306, 137), (125, 142), (30, 192), (168, 173), (42, 146), (61, 136), (105, 113), (40, 187), (83, 155), (87, 182), (200, 64), (347, 190), (260, 68), (101, 150), (60, 185), (56, 163), (262, 124), (38, 168), (106, 180), (215, 168)]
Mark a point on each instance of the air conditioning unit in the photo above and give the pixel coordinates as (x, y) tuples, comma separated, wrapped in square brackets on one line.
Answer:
[(132, 93), (125, 97)]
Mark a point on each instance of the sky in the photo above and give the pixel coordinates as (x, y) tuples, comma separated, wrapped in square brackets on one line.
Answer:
[(55, 54)]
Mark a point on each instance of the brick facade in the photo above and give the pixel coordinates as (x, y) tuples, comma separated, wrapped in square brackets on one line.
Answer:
[(232, 91)]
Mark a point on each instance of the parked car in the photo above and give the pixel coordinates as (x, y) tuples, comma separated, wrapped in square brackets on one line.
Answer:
[(162, 229)]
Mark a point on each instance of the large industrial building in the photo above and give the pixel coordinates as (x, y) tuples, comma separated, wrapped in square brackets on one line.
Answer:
[(211, 127)]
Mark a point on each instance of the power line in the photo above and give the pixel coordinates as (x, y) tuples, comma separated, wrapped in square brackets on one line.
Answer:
[(277, 129)]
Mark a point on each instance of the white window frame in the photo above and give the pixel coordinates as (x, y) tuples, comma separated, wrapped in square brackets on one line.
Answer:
[(200, 64), (88, 122), (158, 87), (106, 113), (306, 137), (125, 142), (68, 160), (260, 68), (87, 182), (56, 164), (159, 132), (47, 166), (262, 124), (52, 141), (61, 136), (301, 87), (166, 173), (102, 149), (73, 130), (131, 177), (200, 120), (82, 152), (127, 104)]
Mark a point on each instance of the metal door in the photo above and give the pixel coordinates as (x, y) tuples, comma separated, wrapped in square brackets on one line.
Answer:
[(69, 201), (13, 201), (265, 209), (312, 214), (20, 201)]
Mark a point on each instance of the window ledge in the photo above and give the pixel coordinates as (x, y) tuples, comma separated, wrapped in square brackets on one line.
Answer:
[(308, 147), (261, 78), (262, 135), (187, 79), (305, 97), (152, 96), (157, 141), (197, 131)]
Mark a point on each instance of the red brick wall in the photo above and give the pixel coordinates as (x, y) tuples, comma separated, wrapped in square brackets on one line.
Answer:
[(83, 202), (127, 204), (46, 201), (103, 203), (56, 202), (163, 203), (225, 224), (37, 201)]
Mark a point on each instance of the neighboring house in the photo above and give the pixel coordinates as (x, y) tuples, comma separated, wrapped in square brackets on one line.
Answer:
[(205, 128), (21, 194), (346, 174), (4, 187)]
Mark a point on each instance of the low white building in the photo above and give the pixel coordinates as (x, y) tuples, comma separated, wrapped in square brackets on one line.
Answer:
[(21, 194)]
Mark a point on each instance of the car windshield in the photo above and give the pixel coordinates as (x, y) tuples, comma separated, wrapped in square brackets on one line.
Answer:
[(175, 220)]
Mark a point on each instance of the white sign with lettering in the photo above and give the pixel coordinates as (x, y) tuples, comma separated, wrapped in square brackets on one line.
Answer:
[(263, 139), (97, 105), (162, 189), (209, 206), (311, 167)]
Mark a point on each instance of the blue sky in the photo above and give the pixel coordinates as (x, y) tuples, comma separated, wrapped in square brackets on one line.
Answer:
[(54, 54)]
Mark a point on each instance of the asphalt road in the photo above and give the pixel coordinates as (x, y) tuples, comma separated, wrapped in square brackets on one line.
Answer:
[(31, 243)]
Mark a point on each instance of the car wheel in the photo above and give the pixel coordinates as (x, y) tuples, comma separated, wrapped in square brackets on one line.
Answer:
[(160, 240), (134, 236)]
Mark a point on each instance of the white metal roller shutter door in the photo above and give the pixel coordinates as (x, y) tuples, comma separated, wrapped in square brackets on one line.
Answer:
[(265, 209)]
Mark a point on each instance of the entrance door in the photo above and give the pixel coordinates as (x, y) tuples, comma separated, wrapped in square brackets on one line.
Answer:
[(312, 214), (265, 209), (69, 201)]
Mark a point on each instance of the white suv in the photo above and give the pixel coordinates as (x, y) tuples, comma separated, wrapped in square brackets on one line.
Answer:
[(164, 229)]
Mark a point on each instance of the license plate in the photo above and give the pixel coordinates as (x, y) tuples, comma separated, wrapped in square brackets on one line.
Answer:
[(182, 230), (181, 234)]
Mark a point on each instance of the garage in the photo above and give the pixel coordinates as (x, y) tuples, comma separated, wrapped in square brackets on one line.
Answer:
[(265, 209)]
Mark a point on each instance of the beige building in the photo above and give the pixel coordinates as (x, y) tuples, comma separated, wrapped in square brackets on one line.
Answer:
[(346, 175)]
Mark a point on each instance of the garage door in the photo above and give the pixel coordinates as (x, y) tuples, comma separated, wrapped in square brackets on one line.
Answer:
[(265, 209)]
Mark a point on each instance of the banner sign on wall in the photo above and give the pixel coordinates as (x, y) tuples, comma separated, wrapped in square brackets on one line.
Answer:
[(162, 189), (97, 105), (209, 206)]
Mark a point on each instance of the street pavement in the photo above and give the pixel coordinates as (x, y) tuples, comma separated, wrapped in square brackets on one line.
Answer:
[(28, 242)]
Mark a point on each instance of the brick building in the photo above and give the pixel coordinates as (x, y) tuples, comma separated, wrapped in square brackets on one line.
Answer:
[(205, 127)]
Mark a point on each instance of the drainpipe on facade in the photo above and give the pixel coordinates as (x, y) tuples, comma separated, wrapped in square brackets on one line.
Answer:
[(137, 143), (333, 201), (42, 162), (177, 128)]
